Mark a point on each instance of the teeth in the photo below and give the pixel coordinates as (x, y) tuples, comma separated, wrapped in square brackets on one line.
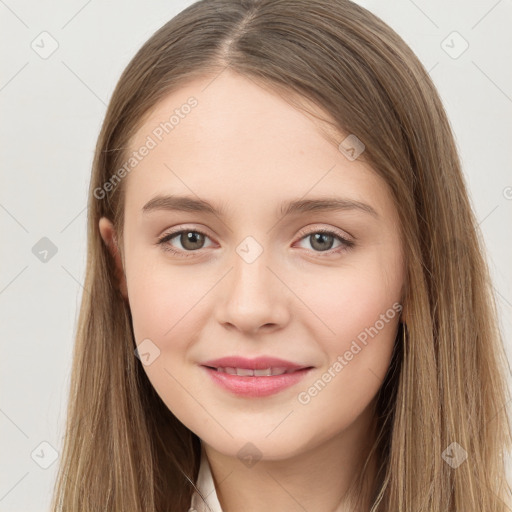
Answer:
[(246, 372), (263, 373)]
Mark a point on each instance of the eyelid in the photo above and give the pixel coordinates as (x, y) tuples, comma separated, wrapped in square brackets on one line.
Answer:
[(309, 230), (184, 227), (321, 228), (347, 241), (177, 230)]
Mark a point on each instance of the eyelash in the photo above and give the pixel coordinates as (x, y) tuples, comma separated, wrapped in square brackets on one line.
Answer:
[(346, 244)]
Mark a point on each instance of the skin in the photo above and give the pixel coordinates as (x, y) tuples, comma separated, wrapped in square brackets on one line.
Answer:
[(248, 149)]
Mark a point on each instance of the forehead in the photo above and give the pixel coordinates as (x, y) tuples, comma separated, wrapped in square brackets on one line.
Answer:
[(226, 136)]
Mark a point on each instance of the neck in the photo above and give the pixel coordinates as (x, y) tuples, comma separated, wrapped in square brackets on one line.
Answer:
[(319, 478)]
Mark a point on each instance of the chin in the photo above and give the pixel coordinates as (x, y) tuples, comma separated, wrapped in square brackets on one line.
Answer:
[(253, 446)]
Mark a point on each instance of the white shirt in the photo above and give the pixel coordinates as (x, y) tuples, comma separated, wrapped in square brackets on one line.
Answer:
[(206, 487)]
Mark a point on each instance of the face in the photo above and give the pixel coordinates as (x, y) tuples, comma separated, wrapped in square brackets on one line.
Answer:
[(317, 287)]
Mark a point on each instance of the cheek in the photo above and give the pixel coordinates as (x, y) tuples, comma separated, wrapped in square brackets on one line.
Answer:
[(167, 310), (350, 299), (161, 298), (170, 306), (356, 315)]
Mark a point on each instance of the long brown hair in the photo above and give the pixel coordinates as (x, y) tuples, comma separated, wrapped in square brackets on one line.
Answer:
[(123, 449)]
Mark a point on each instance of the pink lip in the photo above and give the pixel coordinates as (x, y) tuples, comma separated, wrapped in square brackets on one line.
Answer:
[(259, 363), (251, 386)]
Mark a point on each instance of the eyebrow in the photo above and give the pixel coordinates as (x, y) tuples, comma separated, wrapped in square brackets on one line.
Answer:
[(299, 206)]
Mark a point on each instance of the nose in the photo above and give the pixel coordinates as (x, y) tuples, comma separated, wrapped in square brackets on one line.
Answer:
[(253, 298)]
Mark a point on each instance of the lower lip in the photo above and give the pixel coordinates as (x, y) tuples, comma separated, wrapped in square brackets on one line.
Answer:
[(256, 386)]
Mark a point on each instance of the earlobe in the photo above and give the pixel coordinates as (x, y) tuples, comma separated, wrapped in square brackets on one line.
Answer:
[(108, 235)]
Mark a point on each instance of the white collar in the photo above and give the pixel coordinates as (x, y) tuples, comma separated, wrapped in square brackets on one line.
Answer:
[(206, 488)]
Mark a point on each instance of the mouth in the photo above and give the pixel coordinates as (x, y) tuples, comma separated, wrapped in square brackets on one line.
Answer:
[(253, 382), (249, 372)]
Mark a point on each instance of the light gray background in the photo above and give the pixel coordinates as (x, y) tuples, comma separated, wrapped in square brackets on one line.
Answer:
[(51, 112)]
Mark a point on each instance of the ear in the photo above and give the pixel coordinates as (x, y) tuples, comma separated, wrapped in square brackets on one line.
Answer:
[(108, 235)]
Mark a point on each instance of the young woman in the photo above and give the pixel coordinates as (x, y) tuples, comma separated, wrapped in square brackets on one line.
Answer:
[(287, 306)]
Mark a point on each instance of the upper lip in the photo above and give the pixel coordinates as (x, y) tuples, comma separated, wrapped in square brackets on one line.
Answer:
[(258, 363)]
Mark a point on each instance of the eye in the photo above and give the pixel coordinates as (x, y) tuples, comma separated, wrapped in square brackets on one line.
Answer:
[(191, 241), (322, 240)]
